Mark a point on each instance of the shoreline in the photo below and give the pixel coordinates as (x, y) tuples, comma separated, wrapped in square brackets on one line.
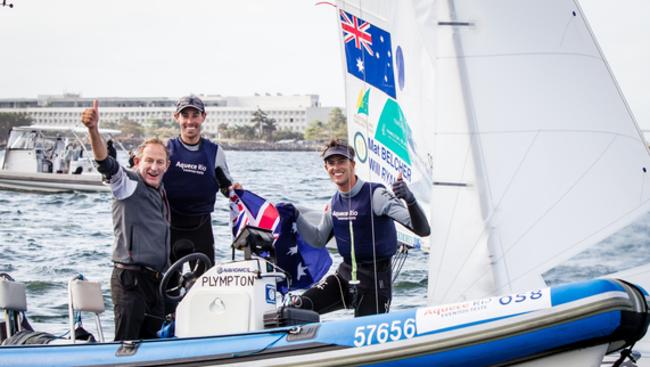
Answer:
[(251, 145), (298, 146)]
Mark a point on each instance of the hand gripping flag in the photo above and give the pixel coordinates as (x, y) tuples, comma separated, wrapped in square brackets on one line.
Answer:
[(305, 265), (246, 208)]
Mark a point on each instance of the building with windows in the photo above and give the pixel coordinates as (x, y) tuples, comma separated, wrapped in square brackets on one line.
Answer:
[(291, 113)]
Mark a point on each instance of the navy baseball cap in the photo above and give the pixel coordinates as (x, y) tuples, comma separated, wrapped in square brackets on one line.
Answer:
[(342, 150), (190, 101)]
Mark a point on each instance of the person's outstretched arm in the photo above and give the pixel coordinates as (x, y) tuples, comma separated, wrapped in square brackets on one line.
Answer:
[(106, 165), (90, 118), (315, 236), (390, 204), (419, 223), (222, 173)]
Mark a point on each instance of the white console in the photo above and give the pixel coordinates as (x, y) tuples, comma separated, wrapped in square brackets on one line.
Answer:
[(229, 298)]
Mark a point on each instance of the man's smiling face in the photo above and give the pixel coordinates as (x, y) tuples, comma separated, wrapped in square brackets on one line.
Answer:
[(190, 120), (153, 164)]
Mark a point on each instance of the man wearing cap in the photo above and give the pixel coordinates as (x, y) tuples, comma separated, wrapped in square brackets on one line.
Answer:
[(360, 216), (197, 172)]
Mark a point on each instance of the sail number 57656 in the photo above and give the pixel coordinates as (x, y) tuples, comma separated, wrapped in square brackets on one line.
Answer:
[(366, 334)]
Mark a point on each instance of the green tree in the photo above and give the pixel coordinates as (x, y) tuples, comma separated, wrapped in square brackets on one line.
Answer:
[(259, 118), (130, 129), (109, 125), (9, 120), (160, 128), (315, 130), (337, 125), (268, 127), (335, 128), (246, 132), (164, 132), (284, 134), (225, 131), (152, 124)]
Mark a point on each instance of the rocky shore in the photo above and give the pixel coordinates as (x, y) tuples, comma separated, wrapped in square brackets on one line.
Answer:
[(252, 145), (256, 145)]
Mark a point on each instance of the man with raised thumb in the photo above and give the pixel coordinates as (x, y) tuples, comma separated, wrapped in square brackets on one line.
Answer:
[(141, 230)]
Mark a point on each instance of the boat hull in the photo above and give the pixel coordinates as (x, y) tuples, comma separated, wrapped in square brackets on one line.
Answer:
[(51, 182), (592, 317)]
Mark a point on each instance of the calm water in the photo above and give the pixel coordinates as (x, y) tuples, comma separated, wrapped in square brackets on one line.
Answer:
[(46, 239)]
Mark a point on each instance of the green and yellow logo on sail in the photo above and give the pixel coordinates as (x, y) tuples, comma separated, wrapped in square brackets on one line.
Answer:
[(361, 115), (362, 102)]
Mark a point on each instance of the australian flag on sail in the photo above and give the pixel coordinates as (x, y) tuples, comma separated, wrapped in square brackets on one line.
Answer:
[(368, 52), (305, 265)]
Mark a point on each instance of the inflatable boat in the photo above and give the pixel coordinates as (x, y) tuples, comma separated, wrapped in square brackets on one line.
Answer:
[(230, 316)]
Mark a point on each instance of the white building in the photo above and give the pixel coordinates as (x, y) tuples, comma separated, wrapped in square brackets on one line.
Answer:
[(291, 113)]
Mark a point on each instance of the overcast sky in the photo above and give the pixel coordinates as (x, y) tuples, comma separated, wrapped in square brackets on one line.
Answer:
[(167, 48)]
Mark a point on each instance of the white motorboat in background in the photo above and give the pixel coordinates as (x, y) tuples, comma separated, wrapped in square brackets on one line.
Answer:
[(50, 159)]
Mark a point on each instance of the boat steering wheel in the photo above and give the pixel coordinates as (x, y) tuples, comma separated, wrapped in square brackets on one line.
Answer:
[(175, 291)]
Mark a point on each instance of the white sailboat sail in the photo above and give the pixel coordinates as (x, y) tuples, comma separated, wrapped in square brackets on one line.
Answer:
[(508, 111), (560, 160)]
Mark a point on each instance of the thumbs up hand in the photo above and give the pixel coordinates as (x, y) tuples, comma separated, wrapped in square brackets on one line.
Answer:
[(90, 116), (402, 191)]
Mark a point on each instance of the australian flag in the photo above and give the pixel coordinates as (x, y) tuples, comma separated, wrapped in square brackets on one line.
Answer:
[(305, 265), (368, 52), (246, 208)]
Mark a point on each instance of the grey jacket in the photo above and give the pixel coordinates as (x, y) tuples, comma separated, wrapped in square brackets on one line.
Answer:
[(140, 221)]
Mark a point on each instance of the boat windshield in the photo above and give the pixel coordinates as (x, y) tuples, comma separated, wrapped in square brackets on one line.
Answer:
[(22, 140)]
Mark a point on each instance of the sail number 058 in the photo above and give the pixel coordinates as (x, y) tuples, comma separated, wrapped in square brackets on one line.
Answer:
[(364, 335), (516, 298)]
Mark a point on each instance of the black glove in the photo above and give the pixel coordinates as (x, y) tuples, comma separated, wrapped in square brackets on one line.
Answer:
[(289, 209), (402, 191)]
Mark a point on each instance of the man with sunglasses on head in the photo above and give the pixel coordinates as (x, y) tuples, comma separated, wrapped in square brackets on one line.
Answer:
[(360, 216), (197, 172)]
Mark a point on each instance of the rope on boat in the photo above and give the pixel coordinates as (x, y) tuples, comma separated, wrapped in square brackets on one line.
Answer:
[(627, 353), (246, 354), (399, 259)]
